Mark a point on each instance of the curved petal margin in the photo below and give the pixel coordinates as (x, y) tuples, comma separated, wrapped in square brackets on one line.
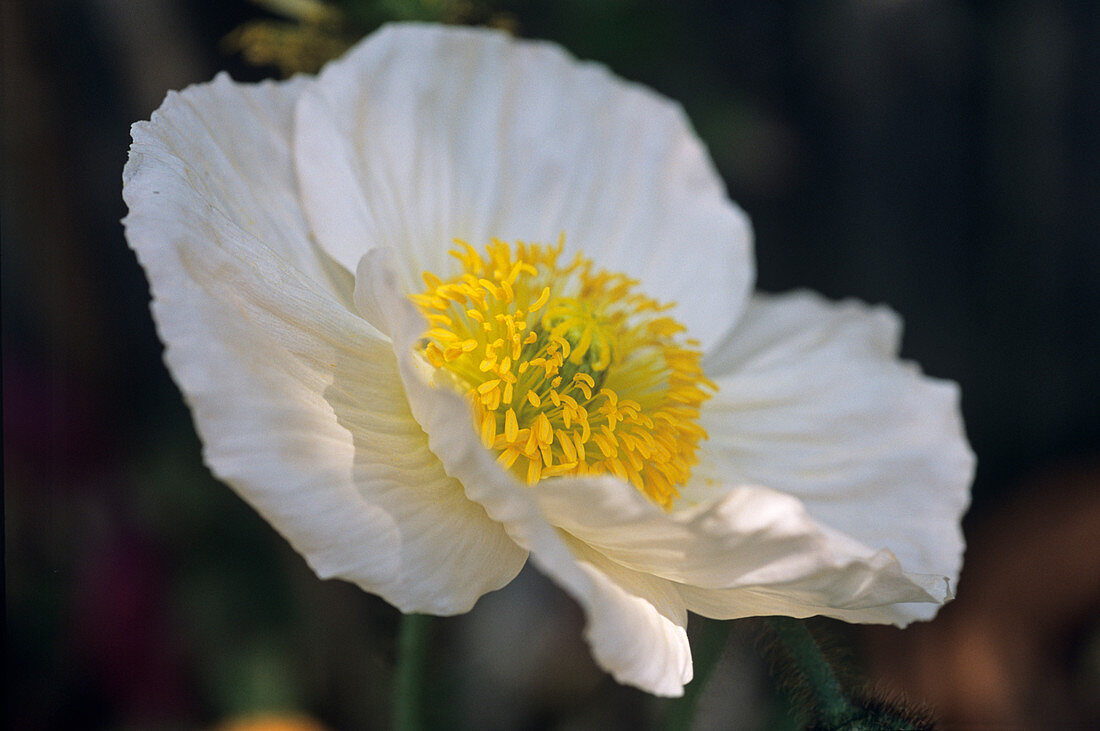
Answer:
[(426, 133), (813, 402), (296, 398), (635, 622), (748, 538)]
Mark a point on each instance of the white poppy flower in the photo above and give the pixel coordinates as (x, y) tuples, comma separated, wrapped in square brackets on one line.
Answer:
[(422, 435)]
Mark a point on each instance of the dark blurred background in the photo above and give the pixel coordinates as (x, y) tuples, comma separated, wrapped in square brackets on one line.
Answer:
[(941, 157)]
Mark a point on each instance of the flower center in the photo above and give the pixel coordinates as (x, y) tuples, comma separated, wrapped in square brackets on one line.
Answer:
[(569, 369)]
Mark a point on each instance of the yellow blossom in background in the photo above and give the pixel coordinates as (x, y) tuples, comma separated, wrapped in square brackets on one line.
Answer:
[(314, 33), (317, 31), (270, 722)]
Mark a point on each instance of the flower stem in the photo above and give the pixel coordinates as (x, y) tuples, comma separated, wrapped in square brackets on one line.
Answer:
[(412, 662), (707, 650), (826, 698)]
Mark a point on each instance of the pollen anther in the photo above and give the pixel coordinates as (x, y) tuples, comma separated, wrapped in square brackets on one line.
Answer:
[(598, 382)]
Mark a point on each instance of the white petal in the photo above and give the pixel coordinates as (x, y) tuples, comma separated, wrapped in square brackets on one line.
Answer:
[(751, 540), (635, 622), (812, 402), (467, 133), (296, 398), (636, 616), (242, 134), (794, 601)]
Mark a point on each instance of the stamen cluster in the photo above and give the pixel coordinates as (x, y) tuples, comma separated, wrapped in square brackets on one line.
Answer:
[(569, 369)]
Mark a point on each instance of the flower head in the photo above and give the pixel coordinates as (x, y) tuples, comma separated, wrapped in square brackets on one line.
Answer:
[(461, 301)]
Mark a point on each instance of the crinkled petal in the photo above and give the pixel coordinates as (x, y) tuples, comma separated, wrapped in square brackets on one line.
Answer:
[(241, 134), (813, 403), (467, 133), (635, 622), (793, 601), (749, 537), (296, 398)]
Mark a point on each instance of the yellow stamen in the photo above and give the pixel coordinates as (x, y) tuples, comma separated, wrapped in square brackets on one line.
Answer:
[(598, 365)]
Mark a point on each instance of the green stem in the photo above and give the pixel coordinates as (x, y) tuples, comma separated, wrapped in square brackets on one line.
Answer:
[(707, 648), (412, 662), (830, 705)]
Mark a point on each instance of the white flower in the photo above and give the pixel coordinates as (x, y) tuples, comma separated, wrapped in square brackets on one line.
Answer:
[(284, 228)]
